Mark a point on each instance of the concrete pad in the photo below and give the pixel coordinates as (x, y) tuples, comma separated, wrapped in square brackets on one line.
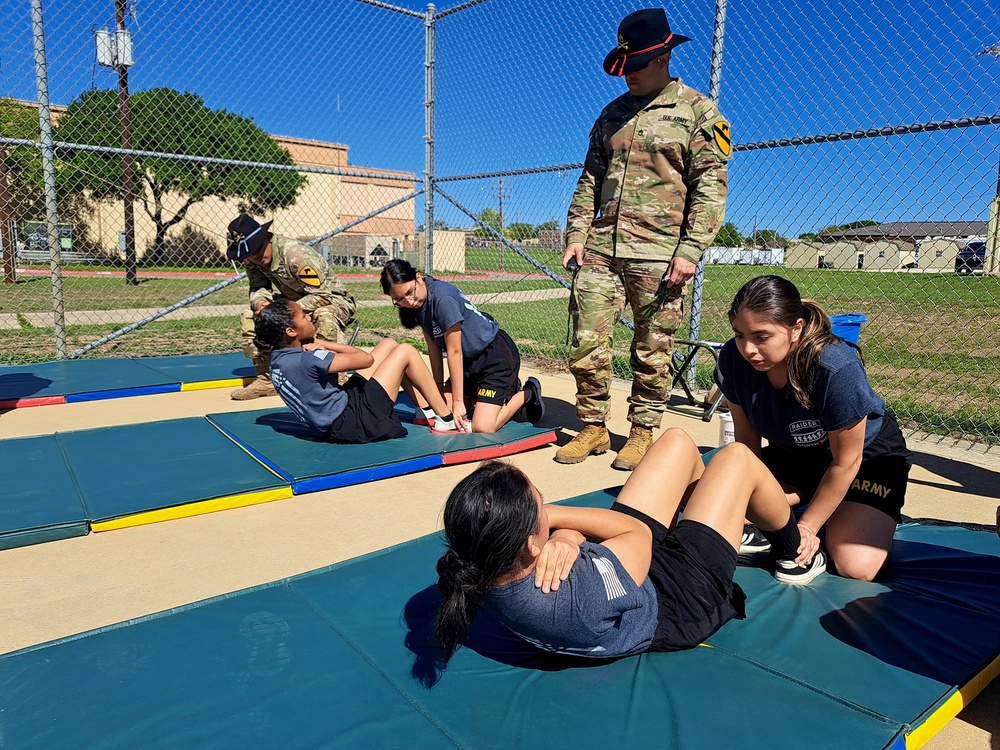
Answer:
[(68, 586)]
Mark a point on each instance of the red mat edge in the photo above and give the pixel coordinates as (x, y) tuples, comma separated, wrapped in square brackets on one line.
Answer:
[(20, 403), (499, 451)]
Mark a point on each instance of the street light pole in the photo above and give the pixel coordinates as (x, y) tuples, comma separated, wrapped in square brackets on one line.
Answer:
[(128, 198)]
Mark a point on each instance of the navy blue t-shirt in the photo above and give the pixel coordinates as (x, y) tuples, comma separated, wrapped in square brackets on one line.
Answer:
[(302, 381), (841, 395), (446, 306), (598, 611)]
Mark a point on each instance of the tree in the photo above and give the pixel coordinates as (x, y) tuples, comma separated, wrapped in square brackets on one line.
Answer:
[(834, 228), (548, 226), (490, 217), (169, 121), (767, 238), (21, 166), (520, 231), (21, 188), (729, 236)]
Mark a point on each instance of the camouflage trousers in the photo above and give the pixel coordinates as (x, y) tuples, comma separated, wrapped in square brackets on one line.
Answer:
[(601, 288), (331, 321)]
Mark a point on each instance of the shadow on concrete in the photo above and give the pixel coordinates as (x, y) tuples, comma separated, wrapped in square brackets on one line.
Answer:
[(971, 479)]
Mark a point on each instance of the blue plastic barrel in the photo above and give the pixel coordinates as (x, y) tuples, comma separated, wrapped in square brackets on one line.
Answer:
[(848, 325)]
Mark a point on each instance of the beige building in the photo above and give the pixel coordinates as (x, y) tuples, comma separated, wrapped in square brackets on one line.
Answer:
[(925, 245), (939, 253), (328, 201), (888, 247), (812, 254)]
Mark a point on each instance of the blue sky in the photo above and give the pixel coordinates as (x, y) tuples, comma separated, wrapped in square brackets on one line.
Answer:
[(519, 84)]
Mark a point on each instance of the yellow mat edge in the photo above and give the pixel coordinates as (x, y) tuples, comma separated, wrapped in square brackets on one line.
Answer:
[(207, 384), (952, 707), (194, 509)]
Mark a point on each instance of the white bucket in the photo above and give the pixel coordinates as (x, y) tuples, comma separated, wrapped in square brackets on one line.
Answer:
[(727, 433)]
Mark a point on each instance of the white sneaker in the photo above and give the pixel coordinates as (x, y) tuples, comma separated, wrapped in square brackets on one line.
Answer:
[(788, 572), (424, 417), (447, 426), (753, 541)]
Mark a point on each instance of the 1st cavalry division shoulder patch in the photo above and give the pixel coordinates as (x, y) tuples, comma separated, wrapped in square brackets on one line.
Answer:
[(309, 277), (722, 139)]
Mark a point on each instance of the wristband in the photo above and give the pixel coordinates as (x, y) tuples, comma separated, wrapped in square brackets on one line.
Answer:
[(811, 531)]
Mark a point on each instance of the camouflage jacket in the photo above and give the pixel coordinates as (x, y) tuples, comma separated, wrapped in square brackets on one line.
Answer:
[(297, 272), (654, 182)]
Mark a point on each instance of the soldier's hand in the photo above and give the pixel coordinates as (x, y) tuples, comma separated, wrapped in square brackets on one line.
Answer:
[(679, 271), (573, 250), (260, 306)]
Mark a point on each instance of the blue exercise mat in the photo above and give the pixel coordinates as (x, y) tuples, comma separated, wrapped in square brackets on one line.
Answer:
[(82, 380), (133, 469), (341, 657), (201, 368), (114, 377), (280, 441), (39, 500)]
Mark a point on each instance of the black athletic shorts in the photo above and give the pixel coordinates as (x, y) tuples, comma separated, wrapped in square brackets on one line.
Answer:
[(692, 570), (491, 376), (368, 416), (881, 479)]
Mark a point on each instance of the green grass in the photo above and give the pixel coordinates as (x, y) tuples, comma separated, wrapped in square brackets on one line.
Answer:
[(34, 293), (480, 259), (930, 343)]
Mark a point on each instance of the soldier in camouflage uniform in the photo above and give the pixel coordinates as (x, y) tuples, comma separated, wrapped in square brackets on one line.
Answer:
[(276, 265), (651, 198)]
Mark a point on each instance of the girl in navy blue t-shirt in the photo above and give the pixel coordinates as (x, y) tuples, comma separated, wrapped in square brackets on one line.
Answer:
[(831, 441), (305, 371), (483, 361), (603, 583)]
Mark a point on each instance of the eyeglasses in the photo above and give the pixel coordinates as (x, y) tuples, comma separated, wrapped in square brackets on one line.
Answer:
[(410, 296)]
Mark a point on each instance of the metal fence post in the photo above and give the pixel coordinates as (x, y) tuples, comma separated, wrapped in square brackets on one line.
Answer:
[(429, 139), (694, 331), (49, 172), (718, 42)]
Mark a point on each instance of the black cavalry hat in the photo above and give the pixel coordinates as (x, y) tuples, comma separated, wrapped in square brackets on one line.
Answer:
[(642, 36), (246, 237)]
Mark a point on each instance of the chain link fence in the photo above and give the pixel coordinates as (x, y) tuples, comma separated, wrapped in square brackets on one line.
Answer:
[(866, 168)]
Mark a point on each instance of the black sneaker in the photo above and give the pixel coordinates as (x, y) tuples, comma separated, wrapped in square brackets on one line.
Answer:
[(753, 541), (534, 404), (799, 575)]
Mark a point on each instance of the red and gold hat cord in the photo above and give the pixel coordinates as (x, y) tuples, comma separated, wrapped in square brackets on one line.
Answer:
[(618, 66)]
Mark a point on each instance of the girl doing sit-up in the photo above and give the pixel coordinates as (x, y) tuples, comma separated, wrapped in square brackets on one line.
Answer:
[(305, 372), (606, 583)]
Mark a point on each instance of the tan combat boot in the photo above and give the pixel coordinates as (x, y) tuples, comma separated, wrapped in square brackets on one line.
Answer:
[(593, 439), (259, 386), (639, 440)]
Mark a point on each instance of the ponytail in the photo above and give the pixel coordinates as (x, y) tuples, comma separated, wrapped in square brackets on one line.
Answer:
[(487, 521)]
